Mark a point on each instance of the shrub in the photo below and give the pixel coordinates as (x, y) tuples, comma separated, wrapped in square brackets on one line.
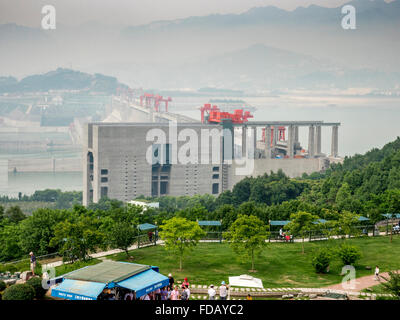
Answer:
[(21, 291), (3, 285), (321, 260), (36, 283), (392, 285), (349, 254)]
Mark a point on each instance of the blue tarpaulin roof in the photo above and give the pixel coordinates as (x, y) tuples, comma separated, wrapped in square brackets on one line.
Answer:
[(389, 215), (320, 221), (279, 222), (144, 282), (209, 223), (78, 290), (147, 226)]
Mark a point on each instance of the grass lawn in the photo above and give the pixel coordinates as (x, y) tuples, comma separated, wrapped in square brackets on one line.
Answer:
[(279, 265)]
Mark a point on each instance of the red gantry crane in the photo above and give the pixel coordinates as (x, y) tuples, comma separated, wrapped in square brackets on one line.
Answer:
[(212, 114)]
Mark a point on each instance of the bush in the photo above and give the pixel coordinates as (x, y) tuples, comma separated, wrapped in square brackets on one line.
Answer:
[(349, 254), (3, 285), (392, 285), (19, 292), (36, 283), (321, 260)]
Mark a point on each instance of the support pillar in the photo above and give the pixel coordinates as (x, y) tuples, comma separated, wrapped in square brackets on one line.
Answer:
[(244, 138), (290, 144), (268, 152), (334, 145), (311, 142), (318, 140), (254, 135), (296, 134)]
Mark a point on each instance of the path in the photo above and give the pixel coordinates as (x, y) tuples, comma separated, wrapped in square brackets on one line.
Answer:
[(360, 283), (101, 254)]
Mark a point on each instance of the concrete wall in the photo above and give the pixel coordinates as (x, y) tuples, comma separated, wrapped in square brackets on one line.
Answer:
[(121, 149)]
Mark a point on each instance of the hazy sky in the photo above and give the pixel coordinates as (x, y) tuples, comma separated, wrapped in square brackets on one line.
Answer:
[(134, 12)]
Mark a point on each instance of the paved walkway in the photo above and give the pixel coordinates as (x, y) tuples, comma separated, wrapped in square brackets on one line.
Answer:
[(101, 254), (360, 283)]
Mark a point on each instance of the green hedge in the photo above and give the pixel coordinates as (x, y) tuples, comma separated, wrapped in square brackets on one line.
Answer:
[(36, 283), (19, 292), (3, 285)]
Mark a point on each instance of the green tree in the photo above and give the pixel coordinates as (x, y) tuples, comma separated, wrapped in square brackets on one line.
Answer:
[(180, 236), (392, 284), (247, 236), (9, 243), (15, 214), (77, 237), (347, 224), (301, 224), (37, 230)]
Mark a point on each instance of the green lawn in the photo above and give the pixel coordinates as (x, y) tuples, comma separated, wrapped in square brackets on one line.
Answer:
[(279, 265)]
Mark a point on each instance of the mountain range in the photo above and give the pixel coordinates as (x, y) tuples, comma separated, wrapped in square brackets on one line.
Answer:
[(262, 48)]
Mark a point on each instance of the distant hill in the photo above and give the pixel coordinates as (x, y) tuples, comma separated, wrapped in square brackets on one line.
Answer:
[(61, 79)]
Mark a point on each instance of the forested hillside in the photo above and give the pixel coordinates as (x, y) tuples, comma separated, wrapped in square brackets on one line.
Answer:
[(367, 185)]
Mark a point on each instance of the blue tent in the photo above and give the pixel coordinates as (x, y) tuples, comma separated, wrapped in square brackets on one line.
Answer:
[(144, 282), (391, 215), (87, 283), (279, 222), (78, 290), (146, 226), (209, 223)]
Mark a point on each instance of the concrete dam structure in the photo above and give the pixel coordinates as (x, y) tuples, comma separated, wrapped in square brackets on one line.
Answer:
[(116, 155)]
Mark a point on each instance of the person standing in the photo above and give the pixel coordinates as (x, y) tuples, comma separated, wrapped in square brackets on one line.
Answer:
[(223, 291), (175, 294), (33, 262), (157, 294), (211, 293), (171, 282), (377, 273), (185, 283), (187, 290)]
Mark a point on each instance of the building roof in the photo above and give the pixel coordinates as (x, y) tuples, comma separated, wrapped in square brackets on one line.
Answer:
[(209, 223), (146, 226), (279, 222), (107, 271)]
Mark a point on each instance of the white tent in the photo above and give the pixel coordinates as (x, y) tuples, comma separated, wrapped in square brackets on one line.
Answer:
[(245, 280)]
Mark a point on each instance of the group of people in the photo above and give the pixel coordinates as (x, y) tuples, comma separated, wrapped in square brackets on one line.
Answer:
[(284, 236), (223, 292)]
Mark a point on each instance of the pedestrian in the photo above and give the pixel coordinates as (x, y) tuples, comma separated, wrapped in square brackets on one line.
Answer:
[(150, 234), (377, 273), (157, 294), (185, 283), (129, 296), (223, 291), (33, 262), (175, 294), (169, 291), (171, 282), (249, 297), (211, 293), (187, 290), (164, 293), (184, 295)]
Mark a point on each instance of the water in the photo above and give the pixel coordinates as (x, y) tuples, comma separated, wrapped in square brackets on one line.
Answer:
[(29, 182), (366, 122)]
